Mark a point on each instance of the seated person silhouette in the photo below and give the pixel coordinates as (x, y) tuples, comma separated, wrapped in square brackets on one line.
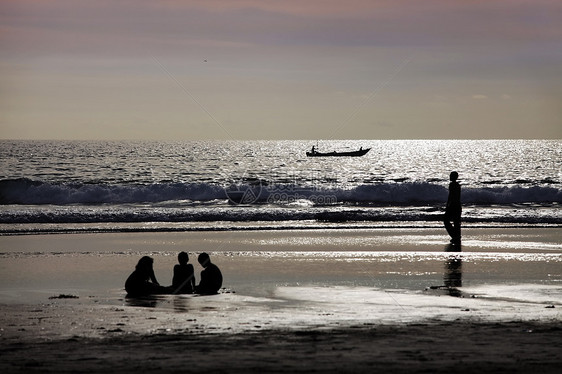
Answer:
[(184, 275), (142, 281), (211, 276)]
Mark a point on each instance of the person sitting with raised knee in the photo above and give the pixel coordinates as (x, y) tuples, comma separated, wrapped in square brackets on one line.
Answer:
[(211, 276)]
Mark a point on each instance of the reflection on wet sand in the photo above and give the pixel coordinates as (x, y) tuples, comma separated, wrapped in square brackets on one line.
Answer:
[(452, 277), (180, 304), (145, 301)]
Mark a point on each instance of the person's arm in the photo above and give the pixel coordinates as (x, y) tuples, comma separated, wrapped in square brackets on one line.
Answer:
[(215, 279), (456, 194), (192, 280), (153, 277), (454, 199), (219, 279), (203, 278), (175, 276)]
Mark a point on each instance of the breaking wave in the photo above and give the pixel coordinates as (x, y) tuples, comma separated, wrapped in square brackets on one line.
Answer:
[(29, 192)]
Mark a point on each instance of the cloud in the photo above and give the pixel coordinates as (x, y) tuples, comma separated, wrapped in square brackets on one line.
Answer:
[(310, 8), (127, 26), (275, 62), (479, 97)]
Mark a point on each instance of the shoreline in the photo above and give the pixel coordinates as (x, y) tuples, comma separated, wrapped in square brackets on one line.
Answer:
[(226, 226)]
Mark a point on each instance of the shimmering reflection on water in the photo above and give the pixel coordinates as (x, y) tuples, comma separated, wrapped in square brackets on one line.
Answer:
[(391, 256)]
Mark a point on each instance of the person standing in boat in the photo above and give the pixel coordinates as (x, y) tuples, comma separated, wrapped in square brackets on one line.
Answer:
[(453, 210), (313, 150)]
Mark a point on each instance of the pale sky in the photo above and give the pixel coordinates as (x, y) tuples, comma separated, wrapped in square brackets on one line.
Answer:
[(274, 69)]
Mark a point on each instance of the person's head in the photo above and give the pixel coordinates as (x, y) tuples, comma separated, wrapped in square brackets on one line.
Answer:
[(453, 176), (144, 264), (183, 258), (204, 259)]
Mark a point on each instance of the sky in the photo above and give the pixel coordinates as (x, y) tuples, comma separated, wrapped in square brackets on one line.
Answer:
[(274, 69)]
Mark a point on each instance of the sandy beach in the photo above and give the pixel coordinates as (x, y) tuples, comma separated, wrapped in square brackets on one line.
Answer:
[(364, 300)]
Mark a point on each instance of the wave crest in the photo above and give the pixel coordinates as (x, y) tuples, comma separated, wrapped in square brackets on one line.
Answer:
[(24, 191)]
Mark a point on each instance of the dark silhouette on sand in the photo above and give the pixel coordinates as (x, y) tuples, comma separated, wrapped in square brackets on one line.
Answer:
[(142, 281), (184, 275), (452, 276), (452, 219), (453, 272), (211, 276)]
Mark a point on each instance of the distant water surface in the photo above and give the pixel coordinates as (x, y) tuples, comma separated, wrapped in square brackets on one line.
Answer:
[(206, 184)]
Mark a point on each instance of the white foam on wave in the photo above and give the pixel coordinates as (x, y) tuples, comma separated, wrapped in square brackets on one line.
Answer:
[(26, 191)]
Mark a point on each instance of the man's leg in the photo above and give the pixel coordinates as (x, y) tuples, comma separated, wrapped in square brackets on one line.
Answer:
[(448, 226), (457, 228)]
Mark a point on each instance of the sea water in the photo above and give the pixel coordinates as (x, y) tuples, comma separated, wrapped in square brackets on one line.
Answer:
[(55, 186), (276, 220)]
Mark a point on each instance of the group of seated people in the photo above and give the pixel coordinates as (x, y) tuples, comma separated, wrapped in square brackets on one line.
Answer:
[(142, 282)]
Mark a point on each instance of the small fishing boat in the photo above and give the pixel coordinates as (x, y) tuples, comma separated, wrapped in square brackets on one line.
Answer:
[(360, 152)]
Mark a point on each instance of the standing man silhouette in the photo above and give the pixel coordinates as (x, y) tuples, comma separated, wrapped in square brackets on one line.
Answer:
[(453, 209)]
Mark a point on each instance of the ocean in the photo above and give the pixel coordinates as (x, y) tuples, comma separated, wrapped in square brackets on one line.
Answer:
[(88, 186), (309, 241)]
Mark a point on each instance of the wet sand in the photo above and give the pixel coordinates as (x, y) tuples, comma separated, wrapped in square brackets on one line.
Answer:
[(460, 347), (69, 337), (302, 301)]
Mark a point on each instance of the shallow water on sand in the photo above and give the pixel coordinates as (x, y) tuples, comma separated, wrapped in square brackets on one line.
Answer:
[(258, 263)]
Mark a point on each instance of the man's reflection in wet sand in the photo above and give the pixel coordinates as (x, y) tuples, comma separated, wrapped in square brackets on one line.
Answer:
[(452, 277)]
